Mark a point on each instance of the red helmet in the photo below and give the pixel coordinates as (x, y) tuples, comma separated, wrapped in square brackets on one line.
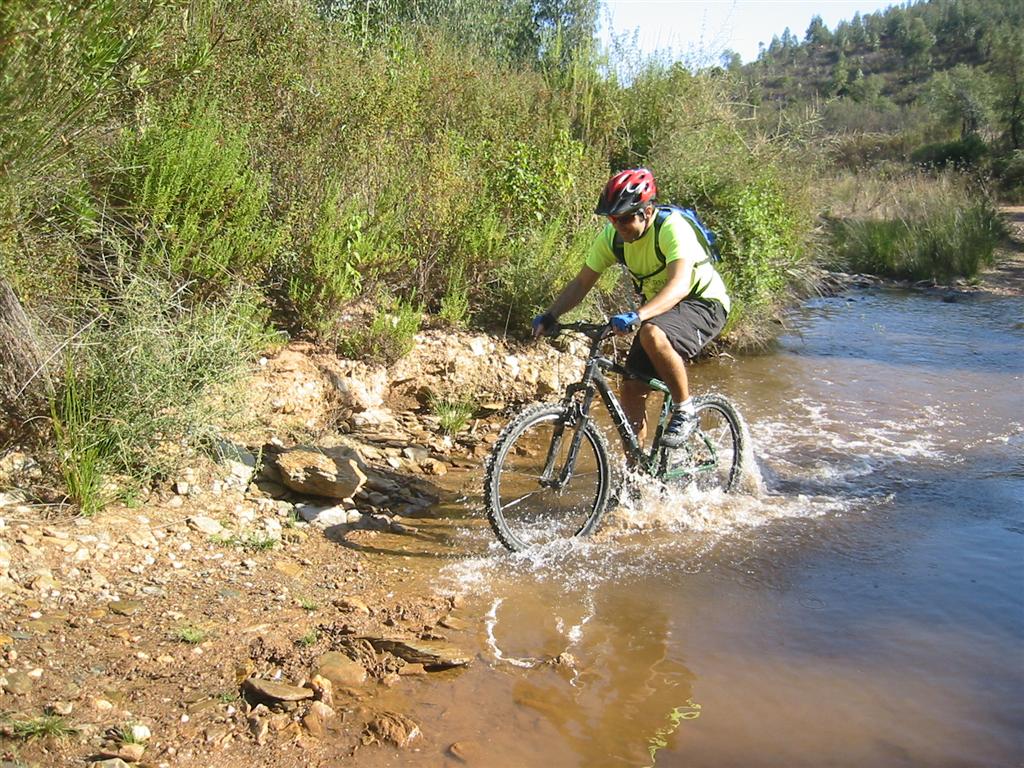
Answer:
[(626, 192)]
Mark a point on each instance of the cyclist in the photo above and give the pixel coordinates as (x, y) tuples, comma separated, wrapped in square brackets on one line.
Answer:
[(684, 300)]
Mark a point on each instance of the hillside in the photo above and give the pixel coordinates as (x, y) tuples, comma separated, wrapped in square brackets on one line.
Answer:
[(942, 70)]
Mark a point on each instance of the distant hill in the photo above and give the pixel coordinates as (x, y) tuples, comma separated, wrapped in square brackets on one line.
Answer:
[(891, 60)]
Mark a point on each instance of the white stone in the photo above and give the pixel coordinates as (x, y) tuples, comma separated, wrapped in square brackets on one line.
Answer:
[(140, 732), (205, 525), (323, 516)]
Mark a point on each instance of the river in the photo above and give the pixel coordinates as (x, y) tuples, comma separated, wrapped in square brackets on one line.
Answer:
[(864, 607)]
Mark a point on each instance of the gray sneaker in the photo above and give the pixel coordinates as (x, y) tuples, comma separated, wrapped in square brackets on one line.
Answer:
[(679, 428)]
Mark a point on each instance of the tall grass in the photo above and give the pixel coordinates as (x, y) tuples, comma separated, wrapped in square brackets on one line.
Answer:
[(915, 226), (135, 398)]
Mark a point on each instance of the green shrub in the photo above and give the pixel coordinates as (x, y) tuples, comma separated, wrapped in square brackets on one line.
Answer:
[(325, 271), (453, 412), (929, 228), (752, 194), (136, 396), (967, 152), (389, 334), (190, 189), (455, 302), (1010, 172)]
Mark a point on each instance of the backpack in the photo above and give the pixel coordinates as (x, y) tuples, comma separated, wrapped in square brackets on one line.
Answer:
[(706, 237)]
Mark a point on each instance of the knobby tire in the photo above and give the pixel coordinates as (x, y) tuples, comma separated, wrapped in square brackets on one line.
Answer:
[(521, 510)]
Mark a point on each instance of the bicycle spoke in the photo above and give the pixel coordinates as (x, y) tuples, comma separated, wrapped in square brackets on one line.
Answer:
[(524, 514)]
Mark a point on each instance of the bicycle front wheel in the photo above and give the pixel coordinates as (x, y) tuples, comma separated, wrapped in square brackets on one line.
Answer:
[(712, 455), (535, 490)]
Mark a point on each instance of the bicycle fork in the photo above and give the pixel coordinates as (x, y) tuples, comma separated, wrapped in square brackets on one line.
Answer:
[(577, 416)]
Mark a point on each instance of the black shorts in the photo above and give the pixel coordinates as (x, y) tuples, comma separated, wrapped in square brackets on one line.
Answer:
[(689, 325)]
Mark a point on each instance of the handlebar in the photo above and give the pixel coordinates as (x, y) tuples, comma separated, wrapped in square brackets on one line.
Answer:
[(593, 331)]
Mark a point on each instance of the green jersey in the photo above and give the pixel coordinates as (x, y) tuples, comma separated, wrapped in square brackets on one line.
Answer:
[(678, 242)]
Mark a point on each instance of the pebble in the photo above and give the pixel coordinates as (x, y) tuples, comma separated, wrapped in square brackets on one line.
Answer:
[(17, 682)]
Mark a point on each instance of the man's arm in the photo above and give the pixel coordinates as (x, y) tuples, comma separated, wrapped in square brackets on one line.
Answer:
[(571, 295), (672, 293)]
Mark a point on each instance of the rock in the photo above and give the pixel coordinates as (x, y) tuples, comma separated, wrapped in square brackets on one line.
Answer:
[(336, 473), (17, 682), (363, 391), (205, 525), (124, 607), (140, 732), (431, 654), (288, 568), (114, 762), (62, 708), (42, 581), (416, 453), (323, 517), (352, 604), (323, 690), (391, 728), (131, 752), (259, 725), (468, 752), (182, 488), (268, 690), (434, 467), (317, 718), (341, 670)]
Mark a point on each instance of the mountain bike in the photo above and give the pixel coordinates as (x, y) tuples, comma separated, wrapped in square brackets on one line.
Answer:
[(550, 476)]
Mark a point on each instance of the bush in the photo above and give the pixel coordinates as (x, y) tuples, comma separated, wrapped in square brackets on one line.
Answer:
[(190, 190), (752, 193), (325, 271), (930, 228), (389, 334), (964, 153), (139, 378), (1010, 173)]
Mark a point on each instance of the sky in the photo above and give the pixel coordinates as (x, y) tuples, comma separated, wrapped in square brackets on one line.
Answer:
[(702, 29)]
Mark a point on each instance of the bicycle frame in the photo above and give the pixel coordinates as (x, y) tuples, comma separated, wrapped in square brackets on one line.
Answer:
[(578, 408)]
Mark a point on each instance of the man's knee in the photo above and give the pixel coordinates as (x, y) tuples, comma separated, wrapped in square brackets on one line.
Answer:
[(655, 341)]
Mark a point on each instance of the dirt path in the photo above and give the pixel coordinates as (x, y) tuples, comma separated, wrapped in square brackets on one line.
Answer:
[(1007, 277)]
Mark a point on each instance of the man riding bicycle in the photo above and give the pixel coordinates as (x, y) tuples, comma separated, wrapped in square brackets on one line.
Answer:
[(685, 300)]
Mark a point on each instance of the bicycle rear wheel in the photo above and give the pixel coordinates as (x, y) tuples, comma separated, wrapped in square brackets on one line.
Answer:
[(712, 455), (526, 505)]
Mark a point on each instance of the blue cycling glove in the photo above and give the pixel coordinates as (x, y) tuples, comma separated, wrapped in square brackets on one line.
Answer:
[(545, 322), (626, 322)]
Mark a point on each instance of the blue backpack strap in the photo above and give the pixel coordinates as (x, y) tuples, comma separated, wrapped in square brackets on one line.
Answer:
[(664, 211)]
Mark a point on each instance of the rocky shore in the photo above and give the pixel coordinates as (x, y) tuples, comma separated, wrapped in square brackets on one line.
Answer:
[(237, 614)]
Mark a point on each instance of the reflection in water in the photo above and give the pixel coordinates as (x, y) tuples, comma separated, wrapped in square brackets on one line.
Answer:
[(609, 693)]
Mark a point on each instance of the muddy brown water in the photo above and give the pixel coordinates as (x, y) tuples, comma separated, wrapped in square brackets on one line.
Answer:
[(865, 607)]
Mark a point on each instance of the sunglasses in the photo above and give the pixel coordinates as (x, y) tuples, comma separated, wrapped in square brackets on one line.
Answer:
[(626, 218)]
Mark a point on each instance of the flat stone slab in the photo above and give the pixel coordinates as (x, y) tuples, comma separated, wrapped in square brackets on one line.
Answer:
[(431, 654), (272, 691)]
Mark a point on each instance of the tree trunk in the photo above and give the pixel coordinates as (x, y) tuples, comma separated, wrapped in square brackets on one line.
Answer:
[(24, 385)]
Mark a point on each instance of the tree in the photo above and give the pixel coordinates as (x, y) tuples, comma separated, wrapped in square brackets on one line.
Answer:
[(817, 32), (917, 41), (962, 96), (24, 387), (840, 76), (1008, 74), (731, 61)]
